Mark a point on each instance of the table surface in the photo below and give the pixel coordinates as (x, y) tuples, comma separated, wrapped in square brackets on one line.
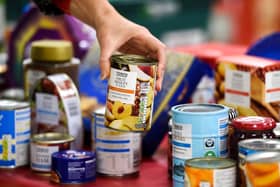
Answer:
[(153, 172)]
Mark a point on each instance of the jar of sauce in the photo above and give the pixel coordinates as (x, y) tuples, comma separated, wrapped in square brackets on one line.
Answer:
[(49, 57), (247, 128)]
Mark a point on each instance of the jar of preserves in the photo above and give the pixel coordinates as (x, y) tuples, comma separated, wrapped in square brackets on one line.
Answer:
[(247, 128), (49, 57)]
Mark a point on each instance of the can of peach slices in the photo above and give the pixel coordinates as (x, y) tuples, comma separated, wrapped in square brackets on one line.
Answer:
[(130, 94)]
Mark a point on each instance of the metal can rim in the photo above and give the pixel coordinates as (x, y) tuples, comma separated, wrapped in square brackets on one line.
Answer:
[(177, 107), (12, 104), (43, 138), (228, 163), (60, 155), (132, 59), (264, 157), (247, 143)]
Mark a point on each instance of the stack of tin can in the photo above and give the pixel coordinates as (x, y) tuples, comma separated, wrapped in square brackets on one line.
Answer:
[(205, 135), (118, 128)]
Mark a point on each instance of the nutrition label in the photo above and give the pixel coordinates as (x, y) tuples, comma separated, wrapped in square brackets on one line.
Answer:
[(117, 152)]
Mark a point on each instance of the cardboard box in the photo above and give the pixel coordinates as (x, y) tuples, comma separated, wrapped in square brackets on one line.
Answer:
[(250, 84)]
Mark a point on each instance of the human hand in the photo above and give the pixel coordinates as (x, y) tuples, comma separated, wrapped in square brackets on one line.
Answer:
[(120, 34), (116, 33)]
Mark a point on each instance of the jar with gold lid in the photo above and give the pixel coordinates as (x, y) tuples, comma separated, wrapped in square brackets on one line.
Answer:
[(49, 57)]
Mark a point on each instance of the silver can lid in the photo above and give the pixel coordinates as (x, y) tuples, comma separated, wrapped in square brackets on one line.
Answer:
[(264, 157)]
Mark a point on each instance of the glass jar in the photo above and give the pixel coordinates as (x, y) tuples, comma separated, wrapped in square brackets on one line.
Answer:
[(247, 128), (49, 57)]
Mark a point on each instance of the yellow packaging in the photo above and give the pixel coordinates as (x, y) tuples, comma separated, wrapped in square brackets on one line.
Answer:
[(249, 84)]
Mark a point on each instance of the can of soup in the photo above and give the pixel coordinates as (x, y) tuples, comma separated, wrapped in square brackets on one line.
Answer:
[(262, 169), (73, 166), (211, 171), (198, 130), (130, 93), (14, 133), (44, 145), (118, 153)]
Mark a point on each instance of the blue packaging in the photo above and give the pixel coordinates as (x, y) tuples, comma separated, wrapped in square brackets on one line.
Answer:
[(198, 130), (73, 166), (266, 47), (14, 133), (182, 75)]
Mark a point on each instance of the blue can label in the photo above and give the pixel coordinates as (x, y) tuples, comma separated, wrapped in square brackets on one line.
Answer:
[(197, 131), (14, 137), (73, 166)]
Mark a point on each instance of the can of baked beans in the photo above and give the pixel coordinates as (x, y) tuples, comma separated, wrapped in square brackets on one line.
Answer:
[(44, 145), (118, 153), (210, 171), (130, 93)]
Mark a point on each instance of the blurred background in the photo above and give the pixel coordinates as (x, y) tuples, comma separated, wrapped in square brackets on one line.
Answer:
[(175, 22), (235, 21)]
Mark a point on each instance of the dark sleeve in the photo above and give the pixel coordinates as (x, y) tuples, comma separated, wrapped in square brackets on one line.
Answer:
[(47, 7)]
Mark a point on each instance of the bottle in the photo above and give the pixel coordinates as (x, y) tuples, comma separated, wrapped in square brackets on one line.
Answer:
[(49, 57)]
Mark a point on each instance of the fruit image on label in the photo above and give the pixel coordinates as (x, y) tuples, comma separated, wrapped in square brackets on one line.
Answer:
[(130, 97), (262, 174)]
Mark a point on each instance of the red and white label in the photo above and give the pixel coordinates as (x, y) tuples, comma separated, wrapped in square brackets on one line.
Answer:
[(272, 86), (238, 85), (122, 86)]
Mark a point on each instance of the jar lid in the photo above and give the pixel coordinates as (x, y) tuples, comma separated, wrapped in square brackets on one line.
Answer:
[(254, 123), (51, 50)]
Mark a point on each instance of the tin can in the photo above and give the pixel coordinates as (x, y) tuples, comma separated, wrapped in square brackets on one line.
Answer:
[(250, 147), (14, 133), (198, 130), (44, 145), (130, 93), (262, 169), (73, 166), (206, 172), (118, 153), (169, 149)]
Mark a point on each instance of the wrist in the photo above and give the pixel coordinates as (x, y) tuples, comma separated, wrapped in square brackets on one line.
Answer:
[(93, 12)]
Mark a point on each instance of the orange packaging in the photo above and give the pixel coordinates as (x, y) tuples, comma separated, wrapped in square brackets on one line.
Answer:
[(210, 172), (249, 84), (262, 170)]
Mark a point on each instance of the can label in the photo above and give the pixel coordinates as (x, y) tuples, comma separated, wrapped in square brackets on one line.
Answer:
[(14, 137), (262, 174), (197, 131), (31, 77), (118, 153), (73, 167), (41, 157), (210, 177), (130, 97), (57, 108)]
